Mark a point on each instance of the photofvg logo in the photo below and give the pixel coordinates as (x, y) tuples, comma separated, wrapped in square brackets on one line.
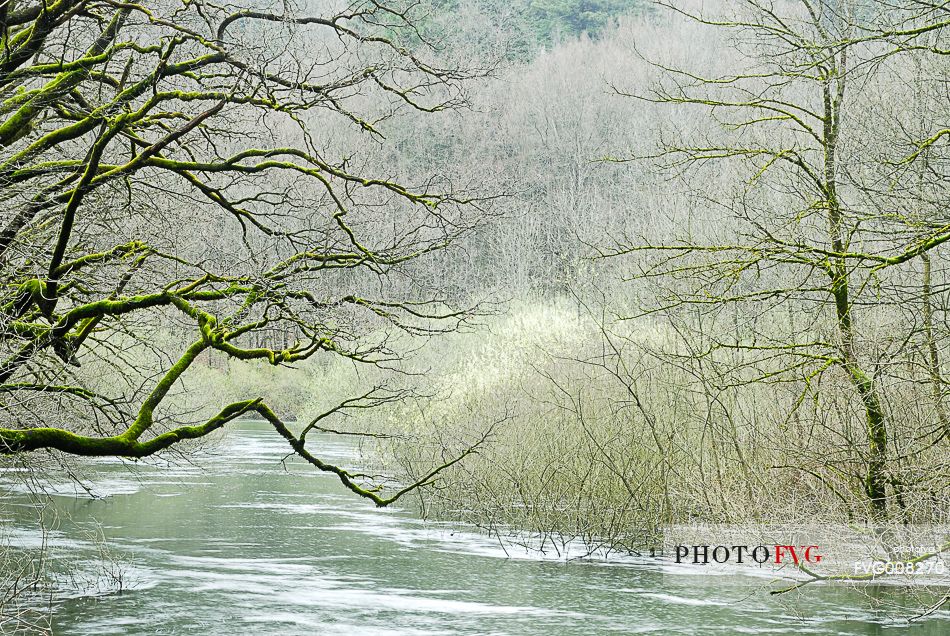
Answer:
[(761, 554)]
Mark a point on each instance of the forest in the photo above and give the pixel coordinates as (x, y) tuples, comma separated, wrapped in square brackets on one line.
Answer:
[(589, 280)]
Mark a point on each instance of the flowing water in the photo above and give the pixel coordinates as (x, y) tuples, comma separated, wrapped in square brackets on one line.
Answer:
[(240, 543)]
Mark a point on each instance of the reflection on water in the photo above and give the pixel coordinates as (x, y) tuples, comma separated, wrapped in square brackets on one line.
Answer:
[(241, 544)]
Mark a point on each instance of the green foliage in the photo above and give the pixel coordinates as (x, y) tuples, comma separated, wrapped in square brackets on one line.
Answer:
[(526, 26), (554, 19)]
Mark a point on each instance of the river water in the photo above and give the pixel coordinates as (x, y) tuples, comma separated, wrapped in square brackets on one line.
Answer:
[(240, 543)]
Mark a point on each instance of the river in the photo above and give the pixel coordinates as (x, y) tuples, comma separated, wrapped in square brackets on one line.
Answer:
[(239, 543)]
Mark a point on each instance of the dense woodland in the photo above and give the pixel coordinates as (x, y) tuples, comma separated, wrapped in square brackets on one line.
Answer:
[(574, 269)]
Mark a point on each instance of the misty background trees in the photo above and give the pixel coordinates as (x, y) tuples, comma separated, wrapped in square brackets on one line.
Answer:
[(724, 252)]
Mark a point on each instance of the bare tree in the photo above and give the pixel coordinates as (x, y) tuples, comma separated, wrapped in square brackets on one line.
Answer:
[(802, 282), (202, 170)]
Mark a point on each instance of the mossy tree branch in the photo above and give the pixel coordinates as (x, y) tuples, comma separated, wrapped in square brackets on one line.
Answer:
[(169, 175)]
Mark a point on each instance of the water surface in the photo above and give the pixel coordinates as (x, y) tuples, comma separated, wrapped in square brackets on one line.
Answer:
[(240, 542)]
